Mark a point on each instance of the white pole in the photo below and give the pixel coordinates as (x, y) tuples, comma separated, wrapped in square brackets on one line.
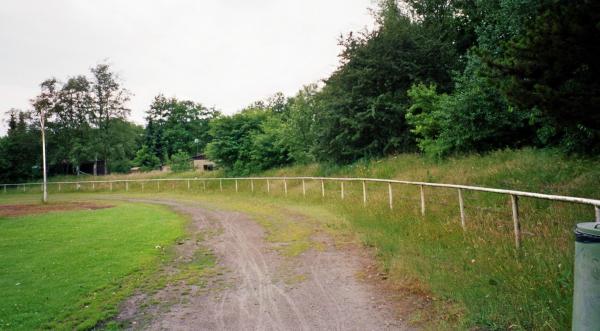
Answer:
[(158, 186), (236, 185), (303, 188), (188, 184), (322, 188), (142, 186), (285, 186), (364, 186), (221, 185), (204, 185), (126, 186), (252, 185), (517, 223), (461, 204), (422, 200), (111, 186), (597, 208), (43, 126), (390, 193), (342, 189), (268, 186)]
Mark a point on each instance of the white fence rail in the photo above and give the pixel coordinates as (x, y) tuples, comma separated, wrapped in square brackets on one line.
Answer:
[(514, 195)]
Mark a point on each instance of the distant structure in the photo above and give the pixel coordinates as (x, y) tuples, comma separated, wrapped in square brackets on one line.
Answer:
[(201, 163)]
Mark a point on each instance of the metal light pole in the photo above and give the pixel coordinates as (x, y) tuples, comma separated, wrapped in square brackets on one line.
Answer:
[(43, 127), (197, 142)]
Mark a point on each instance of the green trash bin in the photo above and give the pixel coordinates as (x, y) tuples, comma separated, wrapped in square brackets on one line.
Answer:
[(586, 294)]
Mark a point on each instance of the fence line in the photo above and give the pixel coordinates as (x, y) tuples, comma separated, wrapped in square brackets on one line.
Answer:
[(514, 195)]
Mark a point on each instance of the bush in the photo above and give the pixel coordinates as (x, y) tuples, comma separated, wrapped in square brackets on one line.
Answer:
[(474, 118), (180, 162), (146, 160)]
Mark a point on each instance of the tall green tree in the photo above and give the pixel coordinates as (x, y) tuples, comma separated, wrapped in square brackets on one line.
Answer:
[(177, 125), (108, 103), (21, 149), (71, 142), (363, 104), (553, 68), (298, 131), (232, 140)]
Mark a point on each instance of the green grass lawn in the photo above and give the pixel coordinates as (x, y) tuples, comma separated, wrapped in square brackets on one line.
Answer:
[(70, 270)]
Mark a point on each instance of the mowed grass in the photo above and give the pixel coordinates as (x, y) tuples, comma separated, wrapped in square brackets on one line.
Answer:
[(70, 270)]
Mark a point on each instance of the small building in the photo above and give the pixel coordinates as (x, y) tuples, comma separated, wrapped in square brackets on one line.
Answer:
[(201, 163)]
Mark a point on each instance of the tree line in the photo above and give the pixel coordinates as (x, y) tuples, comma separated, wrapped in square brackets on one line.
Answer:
[(441, 77), (85, 121)]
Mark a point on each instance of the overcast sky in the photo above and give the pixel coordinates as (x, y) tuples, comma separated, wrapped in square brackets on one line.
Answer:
[(222, 53)]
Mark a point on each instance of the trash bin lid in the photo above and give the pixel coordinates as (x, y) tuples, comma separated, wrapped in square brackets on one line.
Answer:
[(590, 228)]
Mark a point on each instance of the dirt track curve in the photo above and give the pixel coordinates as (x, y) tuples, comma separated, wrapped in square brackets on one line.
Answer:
[(257, 289)]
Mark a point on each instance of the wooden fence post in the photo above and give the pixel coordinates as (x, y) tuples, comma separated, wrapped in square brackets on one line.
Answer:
[(342, 189), (517, 223), (236, 186), (285, 186), (322, 188), (461, 205), (268, 186), (303, 188), (422, 200), (391, 196), (364, 187), (252, 185)]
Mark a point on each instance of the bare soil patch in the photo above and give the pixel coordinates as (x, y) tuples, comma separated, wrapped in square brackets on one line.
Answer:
[(28, 209), (256, 288)]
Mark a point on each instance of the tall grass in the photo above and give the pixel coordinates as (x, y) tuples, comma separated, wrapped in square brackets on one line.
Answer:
[(480, 269)]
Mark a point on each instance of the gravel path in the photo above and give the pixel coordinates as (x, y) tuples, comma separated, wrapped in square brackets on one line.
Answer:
[(258, 289)]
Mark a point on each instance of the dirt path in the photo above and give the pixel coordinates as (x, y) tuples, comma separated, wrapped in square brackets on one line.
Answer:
[(257, 289)]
